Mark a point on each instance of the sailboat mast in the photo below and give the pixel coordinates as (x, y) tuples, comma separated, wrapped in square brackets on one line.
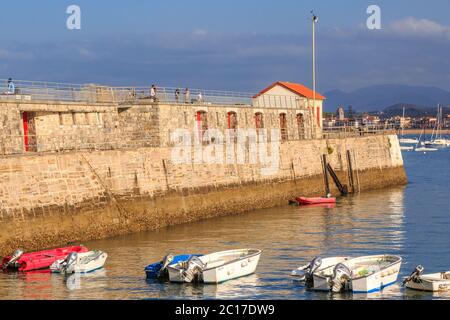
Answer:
[(403, 121)]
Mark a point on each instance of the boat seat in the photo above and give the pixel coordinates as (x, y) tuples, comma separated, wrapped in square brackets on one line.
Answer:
[(215, 263)]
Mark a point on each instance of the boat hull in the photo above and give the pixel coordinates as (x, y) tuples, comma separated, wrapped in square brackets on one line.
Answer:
[(230, 271), (425, 149), (42, 259), (87, 262), (408, 141), (216, 271), (374, 281), (434, 282), (317, 200)]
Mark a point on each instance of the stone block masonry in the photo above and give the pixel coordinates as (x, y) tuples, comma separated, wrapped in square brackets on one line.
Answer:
[(49, 200)]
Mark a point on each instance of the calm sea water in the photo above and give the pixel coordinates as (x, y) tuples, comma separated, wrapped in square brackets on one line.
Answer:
[(411, 221)]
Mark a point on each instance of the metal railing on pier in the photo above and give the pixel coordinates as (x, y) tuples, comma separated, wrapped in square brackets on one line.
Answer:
[(94, 93), (354, 131)]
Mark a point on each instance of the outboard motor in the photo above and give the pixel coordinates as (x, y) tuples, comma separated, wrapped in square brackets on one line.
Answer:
[(414, 276), (69, 263), (341, 278), (165, 263), (14, 257), (312, 267), (194, 267)]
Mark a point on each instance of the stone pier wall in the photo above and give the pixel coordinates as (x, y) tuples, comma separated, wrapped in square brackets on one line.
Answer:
[(54, 199)]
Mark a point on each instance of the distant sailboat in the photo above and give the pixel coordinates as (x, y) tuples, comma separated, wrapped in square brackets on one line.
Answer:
[(406, 140), (422, 147), (437, 141)]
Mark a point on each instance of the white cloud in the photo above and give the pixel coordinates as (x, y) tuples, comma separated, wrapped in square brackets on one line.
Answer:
[(420, 27), (200, 32), (15, 55), (86, 53)]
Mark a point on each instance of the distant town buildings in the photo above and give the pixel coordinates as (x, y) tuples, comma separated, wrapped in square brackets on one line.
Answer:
[(353, 118)]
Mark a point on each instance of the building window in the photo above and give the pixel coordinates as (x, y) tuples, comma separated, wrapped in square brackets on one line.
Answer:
[(259, 121), (232, 120)]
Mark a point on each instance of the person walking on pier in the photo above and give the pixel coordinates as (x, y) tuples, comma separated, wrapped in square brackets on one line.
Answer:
[(11, 87), (186, 95), (199, 98), (153, 93), (177, 95)]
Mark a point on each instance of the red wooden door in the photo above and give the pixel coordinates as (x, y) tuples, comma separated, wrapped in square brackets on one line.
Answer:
[(25, 130), (318, 117)]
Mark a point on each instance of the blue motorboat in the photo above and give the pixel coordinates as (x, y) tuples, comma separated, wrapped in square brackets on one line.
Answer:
[(158, 270)]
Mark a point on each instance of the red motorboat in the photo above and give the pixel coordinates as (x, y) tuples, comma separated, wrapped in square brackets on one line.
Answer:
[(316, 200), (37, 260)]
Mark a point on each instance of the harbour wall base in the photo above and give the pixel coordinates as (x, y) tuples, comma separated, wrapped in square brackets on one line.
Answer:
[(55, 199)]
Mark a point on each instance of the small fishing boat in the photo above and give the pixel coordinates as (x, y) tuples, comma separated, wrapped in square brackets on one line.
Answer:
[(362, 274), (305, 272), (80, 262), (158, 270), (21, 261), (314, 200), (216, 267), (428, 282)]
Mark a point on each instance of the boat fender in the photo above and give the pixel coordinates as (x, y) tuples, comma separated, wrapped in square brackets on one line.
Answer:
[(194, 267), (309, 271), (341, 278), (69, 263), (14, 258), (414, 276), (165, 263)]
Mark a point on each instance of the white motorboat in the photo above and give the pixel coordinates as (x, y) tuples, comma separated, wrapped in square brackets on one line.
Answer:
[(80, 262), (408, 141), (425, 149), (216, 267), (438, 143), (405, 148), (362, 274), (428, 282), (305, 272)]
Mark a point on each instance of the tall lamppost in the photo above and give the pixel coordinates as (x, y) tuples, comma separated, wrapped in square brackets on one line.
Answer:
[(314, 21)]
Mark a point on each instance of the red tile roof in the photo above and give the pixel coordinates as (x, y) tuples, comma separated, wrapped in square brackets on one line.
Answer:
[(294, 87)]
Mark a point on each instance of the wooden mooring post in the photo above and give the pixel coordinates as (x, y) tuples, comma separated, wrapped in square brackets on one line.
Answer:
[(325, 175), (350, 171)]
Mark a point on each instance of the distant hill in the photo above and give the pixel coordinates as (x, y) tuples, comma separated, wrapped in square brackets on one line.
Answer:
[(380, 97), (412, 110)]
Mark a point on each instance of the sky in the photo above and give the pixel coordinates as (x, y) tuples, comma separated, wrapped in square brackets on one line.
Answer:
[(227, 45)]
